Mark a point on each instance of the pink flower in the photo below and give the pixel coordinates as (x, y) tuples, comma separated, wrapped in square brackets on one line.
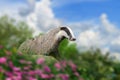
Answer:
[(28, 62), (64, 76), (26, 68), (16, 77), (32, 72), (40, 61), (73, 66), (58, 65), (44, 76), (22, 61), (76, 74), (18, 73), (51, 75), (3, 60), (31, 78), (11, 64), (8, 78), (1, 70), (47, 69), (39, 72), (16, 69), (64, 63), (24, 72), (8, 52), (1, 46), (9, 74)]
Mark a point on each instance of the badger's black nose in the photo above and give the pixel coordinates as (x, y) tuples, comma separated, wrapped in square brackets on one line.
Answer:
[(72, 39)]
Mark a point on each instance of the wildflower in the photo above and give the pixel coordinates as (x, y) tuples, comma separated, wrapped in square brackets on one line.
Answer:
[(58, 65), (9, 74), (1, 70), (8, 78), (16, 77), (64, 64), (44, 76), (51, 75), (47, 69), (31, 78), (76, 74), (26, 68), (1, 46), (22, 61), (16, 69), (3, 60), (73, 66), (39, 72), (24, 72), (31, 72), (40, 61), (64, 76), (11, 64), (28, 62), (18, 73), (8, 52)]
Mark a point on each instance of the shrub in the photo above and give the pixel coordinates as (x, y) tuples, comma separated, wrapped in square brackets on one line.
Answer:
[(16, 66)]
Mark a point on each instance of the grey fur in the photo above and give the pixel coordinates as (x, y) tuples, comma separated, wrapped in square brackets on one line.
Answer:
[(45, 44)]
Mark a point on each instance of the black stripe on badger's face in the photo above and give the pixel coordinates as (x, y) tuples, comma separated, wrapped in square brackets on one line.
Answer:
[(69, 33)]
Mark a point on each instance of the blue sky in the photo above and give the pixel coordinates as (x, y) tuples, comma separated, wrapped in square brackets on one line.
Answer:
[(90, 9), (81, 10), (95, 23)]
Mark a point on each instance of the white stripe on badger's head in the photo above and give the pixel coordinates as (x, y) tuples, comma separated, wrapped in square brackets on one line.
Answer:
[(71, 33), (66, 32)]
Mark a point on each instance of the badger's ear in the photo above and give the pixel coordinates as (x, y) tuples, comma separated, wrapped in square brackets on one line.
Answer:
[(62, 28)]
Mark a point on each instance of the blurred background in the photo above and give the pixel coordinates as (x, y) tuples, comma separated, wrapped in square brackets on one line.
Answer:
[(95, 24)]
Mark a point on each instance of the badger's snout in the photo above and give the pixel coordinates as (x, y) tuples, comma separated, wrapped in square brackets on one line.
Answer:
[(72, 39)]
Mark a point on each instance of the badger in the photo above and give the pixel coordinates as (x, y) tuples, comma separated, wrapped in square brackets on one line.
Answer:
[(48, 43)]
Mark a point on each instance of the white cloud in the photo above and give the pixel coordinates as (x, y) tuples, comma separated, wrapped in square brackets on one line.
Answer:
[(103, 35), (31, 2), (89, 38), (116, 41), (105, 22), (12, 10), (38, 14), (115, 56), (30, 6), (42, 18)]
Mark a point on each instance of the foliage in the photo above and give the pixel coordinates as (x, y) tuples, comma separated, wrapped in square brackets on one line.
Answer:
[(21, 67), (93, 65), (68, 50), (13, 33)]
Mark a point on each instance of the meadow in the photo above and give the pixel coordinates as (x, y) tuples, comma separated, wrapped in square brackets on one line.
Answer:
[(75, 64)]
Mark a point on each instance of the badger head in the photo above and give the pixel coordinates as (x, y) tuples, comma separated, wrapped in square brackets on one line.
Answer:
[(65, 32)]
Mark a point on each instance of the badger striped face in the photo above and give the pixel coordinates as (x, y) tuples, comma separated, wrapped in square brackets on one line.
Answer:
[(67, 33)]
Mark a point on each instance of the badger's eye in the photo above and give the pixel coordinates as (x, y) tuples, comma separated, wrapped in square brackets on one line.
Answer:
[(33, 38), (64, 37)]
